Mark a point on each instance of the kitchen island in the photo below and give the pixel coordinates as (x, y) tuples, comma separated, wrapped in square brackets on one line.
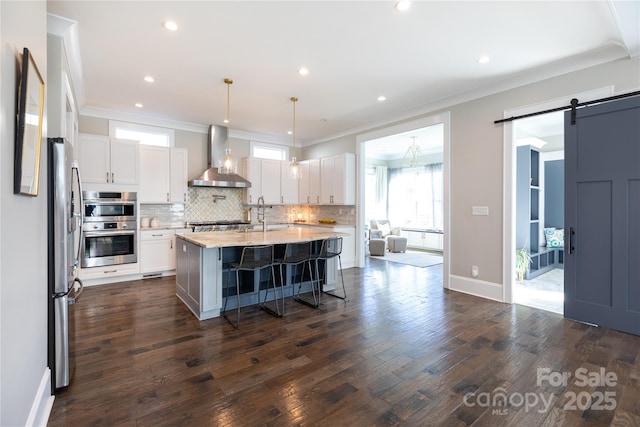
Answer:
[(202, 259)]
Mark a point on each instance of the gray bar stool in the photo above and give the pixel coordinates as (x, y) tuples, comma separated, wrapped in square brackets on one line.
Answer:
[(294, 255), (253, 258), (331, 248)]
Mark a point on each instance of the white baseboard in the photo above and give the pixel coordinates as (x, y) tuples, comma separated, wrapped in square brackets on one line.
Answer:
[(479, 288), (41, 407)]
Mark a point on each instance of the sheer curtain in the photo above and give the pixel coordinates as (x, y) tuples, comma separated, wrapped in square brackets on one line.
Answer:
[(415, 197), (381, 192)]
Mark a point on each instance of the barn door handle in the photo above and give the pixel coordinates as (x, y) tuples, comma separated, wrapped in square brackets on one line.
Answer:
[(572, 234)]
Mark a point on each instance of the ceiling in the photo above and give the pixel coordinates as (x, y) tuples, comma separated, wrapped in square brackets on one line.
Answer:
[(355, 51)]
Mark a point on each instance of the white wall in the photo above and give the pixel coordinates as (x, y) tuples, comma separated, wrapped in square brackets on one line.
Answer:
[(477, 163), (23, 230)]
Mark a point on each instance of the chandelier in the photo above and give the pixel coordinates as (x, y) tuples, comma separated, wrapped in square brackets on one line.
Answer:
[(413, 153)]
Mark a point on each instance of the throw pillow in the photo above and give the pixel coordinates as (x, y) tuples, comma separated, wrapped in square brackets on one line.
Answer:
[(554, 237), (384, 228)]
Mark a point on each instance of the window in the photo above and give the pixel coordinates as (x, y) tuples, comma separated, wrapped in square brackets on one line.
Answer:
[(416, 197), (147, 135), (264, 150)]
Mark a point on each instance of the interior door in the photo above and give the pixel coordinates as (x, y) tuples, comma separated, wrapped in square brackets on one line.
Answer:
[(602, 215)]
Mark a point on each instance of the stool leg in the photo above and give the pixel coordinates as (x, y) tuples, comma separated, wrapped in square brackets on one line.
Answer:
[(235, 325), (343, 288), (264, 306), (315, 303)]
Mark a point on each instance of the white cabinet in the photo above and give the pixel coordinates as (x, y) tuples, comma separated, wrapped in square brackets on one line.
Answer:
[(309, 183), (269, 179), (423, 240), (105, 160), (107, 272), (338, 179), (163, 175), (157, 251), (288, 186), (178, 175)]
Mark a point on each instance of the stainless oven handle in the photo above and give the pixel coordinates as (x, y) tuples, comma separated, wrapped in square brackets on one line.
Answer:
[(108, 233)]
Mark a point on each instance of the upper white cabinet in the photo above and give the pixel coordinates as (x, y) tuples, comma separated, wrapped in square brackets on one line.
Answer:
[(288, 186), (309, 183), (178, 180), (269, 179), (105, 160), (163, 175), (338, 179)]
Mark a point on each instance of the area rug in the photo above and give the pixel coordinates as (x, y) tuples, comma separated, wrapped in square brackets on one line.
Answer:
[(417, 259)]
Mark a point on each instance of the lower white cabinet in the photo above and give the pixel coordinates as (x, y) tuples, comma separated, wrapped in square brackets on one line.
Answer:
[(157, 250), (109, 271), (423, 240)]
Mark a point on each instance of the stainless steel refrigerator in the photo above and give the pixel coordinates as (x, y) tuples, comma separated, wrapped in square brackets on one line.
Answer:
[(64, 234)]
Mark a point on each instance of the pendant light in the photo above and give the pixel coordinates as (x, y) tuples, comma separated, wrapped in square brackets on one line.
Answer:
[(413, 153), (228, 164), (294, 166)]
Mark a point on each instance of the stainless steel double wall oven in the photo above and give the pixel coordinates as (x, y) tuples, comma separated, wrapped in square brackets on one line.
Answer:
[(110, 234)]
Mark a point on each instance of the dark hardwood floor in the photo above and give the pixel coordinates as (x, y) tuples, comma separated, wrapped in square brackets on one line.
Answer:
[(401, 351)]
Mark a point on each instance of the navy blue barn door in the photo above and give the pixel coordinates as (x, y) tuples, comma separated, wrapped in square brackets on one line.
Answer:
[(602, 215)]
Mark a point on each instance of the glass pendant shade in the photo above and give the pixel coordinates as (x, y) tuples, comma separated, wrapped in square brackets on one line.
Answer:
[(228, 164), (294, 166)]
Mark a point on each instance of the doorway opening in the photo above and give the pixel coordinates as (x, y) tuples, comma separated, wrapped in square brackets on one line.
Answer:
[(418, 220), (539, 207), (544, 259)]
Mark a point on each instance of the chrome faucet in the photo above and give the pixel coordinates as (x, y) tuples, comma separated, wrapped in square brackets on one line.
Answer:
[(261, 218)]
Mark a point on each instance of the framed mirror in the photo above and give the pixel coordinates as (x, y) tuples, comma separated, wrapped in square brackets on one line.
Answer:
[(29, 128)]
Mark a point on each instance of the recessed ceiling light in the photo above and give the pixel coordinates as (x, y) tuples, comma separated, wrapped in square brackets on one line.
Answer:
[(226, 121), (303, 71), (149, 79), (289, 132), (402, 5), (483, 59), (382, 98), (170, 25), (139, 105)]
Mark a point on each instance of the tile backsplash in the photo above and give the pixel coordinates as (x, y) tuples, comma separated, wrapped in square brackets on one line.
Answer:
[(214, 204), (211, 204)]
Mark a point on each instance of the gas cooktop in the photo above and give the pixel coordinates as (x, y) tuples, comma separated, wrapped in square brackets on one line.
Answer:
[(218, 225)]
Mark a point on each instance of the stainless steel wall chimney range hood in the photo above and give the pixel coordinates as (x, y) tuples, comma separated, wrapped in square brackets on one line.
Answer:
[(216, 149)]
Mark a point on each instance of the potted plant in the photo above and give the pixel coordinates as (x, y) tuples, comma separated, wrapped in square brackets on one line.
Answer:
[(523, 259)]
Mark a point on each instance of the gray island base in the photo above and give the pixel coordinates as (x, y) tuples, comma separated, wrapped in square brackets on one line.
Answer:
[(202, 273)]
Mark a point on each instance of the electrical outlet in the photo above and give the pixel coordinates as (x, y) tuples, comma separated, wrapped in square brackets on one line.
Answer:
[(474, 271)]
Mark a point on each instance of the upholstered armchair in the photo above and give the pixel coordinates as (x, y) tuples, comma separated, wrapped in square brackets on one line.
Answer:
[(379, 229)]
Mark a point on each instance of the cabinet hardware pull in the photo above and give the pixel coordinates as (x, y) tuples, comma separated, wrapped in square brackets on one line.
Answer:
[(157, 235), (171, 245), (107, 176), (112, 179), (167, 197), (281, 199), (308, 198), (317, 199), (110, 271), (185, 197)]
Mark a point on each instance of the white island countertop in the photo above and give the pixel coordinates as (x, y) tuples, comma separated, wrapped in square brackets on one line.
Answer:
[(225, 239)]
